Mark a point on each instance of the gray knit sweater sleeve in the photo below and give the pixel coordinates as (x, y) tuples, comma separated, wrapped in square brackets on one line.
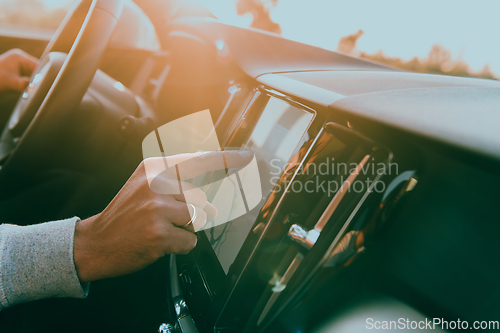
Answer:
[(37, 262)]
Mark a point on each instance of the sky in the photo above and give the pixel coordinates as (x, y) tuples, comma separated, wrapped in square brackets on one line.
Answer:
[(469, 29)]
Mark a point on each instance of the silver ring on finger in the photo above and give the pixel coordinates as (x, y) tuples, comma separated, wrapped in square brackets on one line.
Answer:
[(193, 218)]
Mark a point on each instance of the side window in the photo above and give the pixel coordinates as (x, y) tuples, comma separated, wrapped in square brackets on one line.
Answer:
[(43, 16)]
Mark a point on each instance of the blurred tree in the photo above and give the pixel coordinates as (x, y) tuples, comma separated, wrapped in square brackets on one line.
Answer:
[(438, 61), (347, 44), (261, 12)]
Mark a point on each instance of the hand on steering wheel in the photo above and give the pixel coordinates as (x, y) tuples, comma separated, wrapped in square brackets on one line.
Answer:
[(15, 68), (58, 83)]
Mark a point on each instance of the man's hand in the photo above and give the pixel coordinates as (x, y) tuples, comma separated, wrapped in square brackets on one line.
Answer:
[(140, 226), (15, 68)]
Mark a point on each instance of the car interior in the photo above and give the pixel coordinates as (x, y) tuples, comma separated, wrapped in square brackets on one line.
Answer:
[(379, 187)]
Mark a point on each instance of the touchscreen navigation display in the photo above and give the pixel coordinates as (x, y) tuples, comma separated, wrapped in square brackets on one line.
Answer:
[(273, 131)]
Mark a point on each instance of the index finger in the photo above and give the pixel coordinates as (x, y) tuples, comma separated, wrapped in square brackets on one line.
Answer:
[(212, 161)]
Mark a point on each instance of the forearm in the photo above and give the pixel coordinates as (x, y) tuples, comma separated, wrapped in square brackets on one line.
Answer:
[(36, 262)]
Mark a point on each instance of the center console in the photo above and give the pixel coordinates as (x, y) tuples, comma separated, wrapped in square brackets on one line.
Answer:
[(319, 195)]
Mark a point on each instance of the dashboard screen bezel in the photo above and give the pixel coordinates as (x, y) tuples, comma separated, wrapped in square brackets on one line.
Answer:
[(293, 126)]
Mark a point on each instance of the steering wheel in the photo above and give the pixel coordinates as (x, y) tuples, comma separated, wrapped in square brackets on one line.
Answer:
[(66, 68)]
